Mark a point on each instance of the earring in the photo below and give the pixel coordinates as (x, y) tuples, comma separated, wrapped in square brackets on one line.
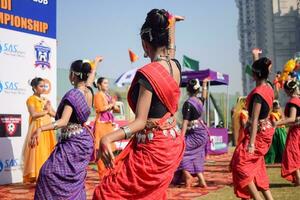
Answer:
[(72, 82), (145, 55)]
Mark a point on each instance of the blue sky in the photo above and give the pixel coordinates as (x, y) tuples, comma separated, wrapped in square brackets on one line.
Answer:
[(109, 28)]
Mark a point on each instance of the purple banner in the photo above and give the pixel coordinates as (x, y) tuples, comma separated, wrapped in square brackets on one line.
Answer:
[(218, 141)]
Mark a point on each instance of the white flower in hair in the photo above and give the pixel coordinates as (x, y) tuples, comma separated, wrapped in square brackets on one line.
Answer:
[(197, 86)]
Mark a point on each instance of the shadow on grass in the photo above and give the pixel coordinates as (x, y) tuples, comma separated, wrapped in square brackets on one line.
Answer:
[(280, 185)]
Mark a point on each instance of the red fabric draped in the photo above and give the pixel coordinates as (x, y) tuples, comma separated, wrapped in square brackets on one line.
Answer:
[(144, 170), (248, 167), (293, 100), (290, 158), (264, 91), (163, 84)]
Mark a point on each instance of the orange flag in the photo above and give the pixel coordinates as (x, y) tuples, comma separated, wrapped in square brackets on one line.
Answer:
[(133, 57)]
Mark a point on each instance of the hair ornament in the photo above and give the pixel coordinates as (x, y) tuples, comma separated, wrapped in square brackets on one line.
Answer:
[(148, 31), (197, 85)]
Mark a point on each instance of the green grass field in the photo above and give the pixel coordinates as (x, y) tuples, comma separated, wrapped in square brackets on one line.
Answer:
[(280, 188)]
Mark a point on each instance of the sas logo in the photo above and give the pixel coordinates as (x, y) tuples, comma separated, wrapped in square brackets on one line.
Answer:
[(11, 87), (1, 166), (9, 164), (10, 49), (42, 54)]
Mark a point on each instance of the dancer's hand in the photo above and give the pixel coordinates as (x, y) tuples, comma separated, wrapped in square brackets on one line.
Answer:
[(105, 153), (256, 51), (34, 140), (251, 148), (98, 60), (274, 123), (179, 18)]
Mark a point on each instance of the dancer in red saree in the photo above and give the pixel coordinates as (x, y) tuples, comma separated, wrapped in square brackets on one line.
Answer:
[(145, 168), (248, 166), (290, 159)]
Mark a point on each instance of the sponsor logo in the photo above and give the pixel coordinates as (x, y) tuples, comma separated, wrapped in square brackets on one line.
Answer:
[(217, 143), (9, 164), (1, 166), (42, 54), (220, 76), (10, 125), (11, 49), (11, 87), (47, 86), (44, 2)]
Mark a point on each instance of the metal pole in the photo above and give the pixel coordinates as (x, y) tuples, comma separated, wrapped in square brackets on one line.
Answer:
[(227, 109), (208, 104)]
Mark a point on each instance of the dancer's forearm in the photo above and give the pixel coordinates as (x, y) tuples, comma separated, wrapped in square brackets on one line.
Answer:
[(119, 134)]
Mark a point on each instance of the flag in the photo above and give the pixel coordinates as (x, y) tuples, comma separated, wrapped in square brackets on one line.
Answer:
[(190, 63), (248, 70), (133, 57), (126, 78)]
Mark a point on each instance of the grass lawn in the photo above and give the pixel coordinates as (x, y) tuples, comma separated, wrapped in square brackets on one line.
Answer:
[(280, 188)]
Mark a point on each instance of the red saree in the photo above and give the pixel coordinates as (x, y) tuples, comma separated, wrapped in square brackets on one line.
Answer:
[(248, 167), (145, 168), (290, 158)]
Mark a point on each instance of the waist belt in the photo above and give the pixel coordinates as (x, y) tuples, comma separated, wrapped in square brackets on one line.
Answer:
[(69, 130)]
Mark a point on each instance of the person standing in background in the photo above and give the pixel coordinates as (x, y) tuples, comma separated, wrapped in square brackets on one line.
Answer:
[(275, 152), (104, 123), (40, 113)]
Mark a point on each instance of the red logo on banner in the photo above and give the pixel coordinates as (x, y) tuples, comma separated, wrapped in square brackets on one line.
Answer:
[(10, 125)]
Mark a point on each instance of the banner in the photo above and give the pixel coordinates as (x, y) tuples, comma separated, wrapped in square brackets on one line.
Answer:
[(27, 50), (218, 141)]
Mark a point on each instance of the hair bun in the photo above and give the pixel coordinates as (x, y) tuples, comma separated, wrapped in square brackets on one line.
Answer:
[(86, 68), (155, 28)]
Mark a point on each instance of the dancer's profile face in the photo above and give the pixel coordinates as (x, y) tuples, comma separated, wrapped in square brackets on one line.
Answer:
[(104, 85), (40, 88)]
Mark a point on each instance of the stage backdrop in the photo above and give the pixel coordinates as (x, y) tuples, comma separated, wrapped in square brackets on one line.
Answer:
[(27, 50)]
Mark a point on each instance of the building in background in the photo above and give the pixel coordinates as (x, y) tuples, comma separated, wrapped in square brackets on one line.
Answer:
[(271, 25)]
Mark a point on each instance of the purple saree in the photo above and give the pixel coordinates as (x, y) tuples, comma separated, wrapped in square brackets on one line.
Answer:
[(196, 139), (63, 175)]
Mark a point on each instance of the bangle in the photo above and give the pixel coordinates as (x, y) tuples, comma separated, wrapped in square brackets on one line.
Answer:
[(250, 145), (55, 125), (127, 131), (173, 47)]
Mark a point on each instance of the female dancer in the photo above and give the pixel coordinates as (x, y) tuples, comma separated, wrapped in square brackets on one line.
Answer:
[(41, 113), (290, 159), (248, 166), (243, 118), (63, 174), (104, 105), (275, 152), (196, 135), (145, 168), (239, 120)]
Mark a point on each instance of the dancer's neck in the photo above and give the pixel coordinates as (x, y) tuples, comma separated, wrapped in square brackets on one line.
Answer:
[(160, 54), (260, 82), (36, 94)]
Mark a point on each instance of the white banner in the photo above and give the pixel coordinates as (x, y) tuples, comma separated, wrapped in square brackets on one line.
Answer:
[(24, 55)]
